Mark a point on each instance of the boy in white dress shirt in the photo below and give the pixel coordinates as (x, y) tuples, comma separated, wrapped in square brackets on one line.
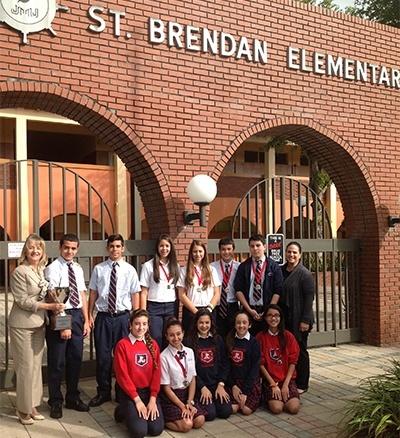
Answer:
[(226, 268), (114, 292)]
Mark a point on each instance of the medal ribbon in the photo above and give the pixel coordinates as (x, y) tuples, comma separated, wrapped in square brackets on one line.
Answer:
[(258, 275), (165, 272), (225, 275), (199, 277), (178, 357)]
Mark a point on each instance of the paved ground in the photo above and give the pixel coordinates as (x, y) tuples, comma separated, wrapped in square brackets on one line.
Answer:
[(336, 372)]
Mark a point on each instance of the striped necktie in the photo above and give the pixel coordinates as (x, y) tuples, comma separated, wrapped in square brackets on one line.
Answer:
[(257, 282), (223, 303), (112, 293), (73, 288)]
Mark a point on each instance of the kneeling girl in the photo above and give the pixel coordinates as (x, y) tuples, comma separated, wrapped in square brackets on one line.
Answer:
[(280, 352), (178, 380), (212, 365), (244, 384), (138, 373)]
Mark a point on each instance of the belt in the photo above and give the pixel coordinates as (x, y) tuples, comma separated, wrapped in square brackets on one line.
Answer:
[(235, 304), (114, 315), (73, 310)]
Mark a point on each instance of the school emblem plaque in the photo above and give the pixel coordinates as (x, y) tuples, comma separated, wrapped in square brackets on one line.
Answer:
[(29, 16)]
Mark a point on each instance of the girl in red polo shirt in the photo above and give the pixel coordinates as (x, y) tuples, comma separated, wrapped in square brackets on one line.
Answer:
[(138, 373), (280, 352)]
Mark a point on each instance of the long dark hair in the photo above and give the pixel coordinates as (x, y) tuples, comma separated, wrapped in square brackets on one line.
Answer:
[(147, 337), (230, 338), (193, 338), (281, 326), (172, 260)]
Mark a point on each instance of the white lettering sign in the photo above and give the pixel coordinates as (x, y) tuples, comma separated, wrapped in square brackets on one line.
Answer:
[(349, 69), (203, 40)]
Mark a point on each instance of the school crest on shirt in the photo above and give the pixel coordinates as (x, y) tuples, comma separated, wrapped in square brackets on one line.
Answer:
[(237, 355), (207, 356), (141, 359)]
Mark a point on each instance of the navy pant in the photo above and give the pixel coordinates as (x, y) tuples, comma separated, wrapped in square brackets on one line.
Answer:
[(225, 325), (139, 427), (65, 353), (158, 313), (107, 332), (216, 408)]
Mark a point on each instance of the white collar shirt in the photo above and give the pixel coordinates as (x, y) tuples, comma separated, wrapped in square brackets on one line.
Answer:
[(127, 284), (246, 336), (195, 293), (231, 296), (57, 276), (162, 292), (171, 371)]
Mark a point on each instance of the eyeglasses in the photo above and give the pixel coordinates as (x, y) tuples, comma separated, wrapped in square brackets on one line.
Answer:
[(274, 316)]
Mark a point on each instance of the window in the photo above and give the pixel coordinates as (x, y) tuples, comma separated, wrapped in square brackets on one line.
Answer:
[(254, 157), (281, 158), (304, 160)]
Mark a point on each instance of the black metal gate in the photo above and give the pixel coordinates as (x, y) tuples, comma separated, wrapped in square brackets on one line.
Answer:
[(51, 200), (284, 205)]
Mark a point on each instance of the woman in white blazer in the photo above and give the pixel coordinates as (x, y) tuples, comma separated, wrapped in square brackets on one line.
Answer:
[(27, 327)]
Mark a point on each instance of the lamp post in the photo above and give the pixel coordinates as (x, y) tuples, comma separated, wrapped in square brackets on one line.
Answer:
[(202, 190)]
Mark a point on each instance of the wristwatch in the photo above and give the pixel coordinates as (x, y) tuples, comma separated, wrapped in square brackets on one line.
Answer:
[(191, 402), (221, 384)]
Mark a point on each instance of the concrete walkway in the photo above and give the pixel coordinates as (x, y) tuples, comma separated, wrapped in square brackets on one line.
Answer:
[(336, 373)]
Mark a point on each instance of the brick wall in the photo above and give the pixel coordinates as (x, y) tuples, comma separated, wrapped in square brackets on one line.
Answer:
[(171, 113)]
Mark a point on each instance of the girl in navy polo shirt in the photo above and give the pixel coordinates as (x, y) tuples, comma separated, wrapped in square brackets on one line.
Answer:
[(138, 373), (212, 366), (178, 379), (245, 354)]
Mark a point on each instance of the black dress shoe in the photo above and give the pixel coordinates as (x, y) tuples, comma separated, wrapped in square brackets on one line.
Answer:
[(56, 411), (99, 400), (78, 405), (118, 414)]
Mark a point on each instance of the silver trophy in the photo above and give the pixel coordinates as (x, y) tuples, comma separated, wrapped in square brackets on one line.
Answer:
[(59, 321)]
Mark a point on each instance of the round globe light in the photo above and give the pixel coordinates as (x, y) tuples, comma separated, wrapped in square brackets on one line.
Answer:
[(202, 189)]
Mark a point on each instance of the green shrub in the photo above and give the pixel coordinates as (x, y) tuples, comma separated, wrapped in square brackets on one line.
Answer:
[(375, 412)]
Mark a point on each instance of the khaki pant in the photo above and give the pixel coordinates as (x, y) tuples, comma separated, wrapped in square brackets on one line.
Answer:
[(26, 347)]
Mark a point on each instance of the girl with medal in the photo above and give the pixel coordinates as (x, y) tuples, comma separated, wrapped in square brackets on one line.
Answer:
[(178, 381), (198, 285), (244, 385), (138, 373), (158, 278), (280, 352), (212, 365)]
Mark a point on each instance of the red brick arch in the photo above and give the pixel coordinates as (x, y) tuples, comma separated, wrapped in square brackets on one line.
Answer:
[(355, 186), (113, 131), (344, 165)]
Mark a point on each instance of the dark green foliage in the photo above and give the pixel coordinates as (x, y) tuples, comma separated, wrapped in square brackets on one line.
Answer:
[(382, 11), (376, 411)]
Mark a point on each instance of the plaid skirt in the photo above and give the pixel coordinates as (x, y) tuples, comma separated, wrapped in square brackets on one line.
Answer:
[(171, 412), (253, 399), (267, 390)]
